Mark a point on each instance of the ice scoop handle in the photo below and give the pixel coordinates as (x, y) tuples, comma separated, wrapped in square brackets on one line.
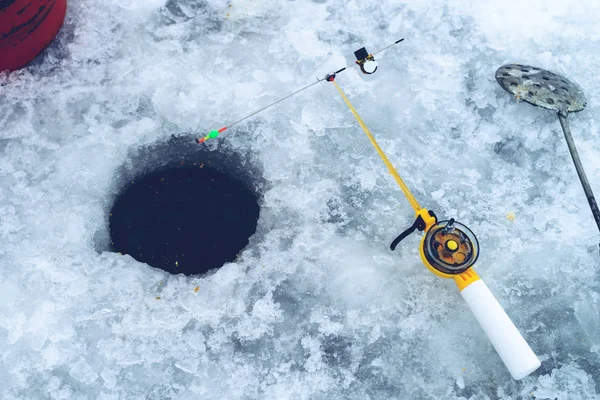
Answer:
[(500, 330)]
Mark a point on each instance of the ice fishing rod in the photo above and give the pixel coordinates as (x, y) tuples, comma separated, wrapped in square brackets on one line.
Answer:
[(448, 249), (365, 61)]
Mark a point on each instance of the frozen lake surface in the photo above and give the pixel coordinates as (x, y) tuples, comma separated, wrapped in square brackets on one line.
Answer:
[(316, 307)]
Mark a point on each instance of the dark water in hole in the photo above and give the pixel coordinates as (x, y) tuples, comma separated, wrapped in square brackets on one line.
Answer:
[(184, 220)]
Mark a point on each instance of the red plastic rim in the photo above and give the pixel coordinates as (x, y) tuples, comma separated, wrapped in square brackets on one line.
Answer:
[(26, 28)]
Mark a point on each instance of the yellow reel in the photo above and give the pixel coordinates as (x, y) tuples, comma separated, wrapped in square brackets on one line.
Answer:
[(449, 248)]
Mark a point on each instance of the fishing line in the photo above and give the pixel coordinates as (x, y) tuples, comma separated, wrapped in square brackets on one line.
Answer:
[(362, 58)]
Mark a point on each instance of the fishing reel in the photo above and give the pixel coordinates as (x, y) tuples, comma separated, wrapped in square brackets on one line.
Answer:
[(365, 61), (447, 249)]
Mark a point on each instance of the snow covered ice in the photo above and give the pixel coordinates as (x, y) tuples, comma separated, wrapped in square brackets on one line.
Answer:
[(317, 306)]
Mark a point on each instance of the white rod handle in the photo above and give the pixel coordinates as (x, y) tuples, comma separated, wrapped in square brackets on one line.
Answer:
[(504, 335)]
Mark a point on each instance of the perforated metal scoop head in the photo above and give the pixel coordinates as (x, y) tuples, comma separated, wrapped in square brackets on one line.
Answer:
[(541, 88)]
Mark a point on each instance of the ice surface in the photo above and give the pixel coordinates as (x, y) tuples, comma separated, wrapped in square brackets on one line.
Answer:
[(317, 306)]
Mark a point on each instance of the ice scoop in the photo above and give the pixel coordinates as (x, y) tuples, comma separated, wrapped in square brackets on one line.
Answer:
[(553, 92)]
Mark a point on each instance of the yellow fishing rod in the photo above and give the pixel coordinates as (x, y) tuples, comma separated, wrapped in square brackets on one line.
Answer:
[(454, 249), (448, 248)]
